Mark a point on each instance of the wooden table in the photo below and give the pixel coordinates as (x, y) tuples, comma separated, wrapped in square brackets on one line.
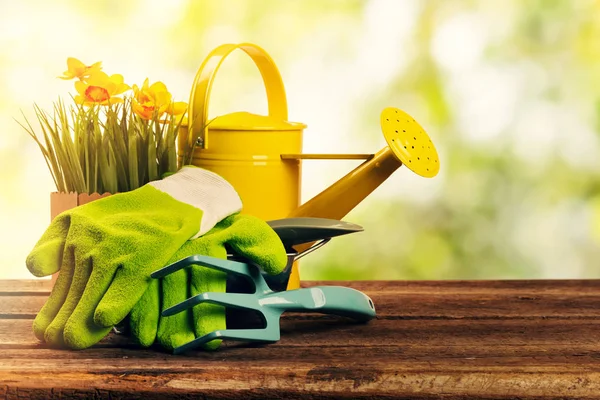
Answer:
[(431, 340)]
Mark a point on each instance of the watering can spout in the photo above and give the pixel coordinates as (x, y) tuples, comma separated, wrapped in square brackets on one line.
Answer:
[(339, 199), (408, 145)]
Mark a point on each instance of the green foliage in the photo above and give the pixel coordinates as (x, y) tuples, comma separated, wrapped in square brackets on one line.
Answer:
[(102, 149)]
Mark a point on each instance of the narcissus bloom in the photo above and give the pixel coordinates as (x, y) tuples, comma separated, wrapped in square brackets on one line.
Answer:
[(177, 108), (155, 99), (77, 69), (100, 89)]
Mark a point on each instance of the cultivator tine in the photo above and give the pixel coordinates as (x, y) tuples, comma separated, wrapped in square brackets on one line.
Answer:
[(234, 300), (266, 335), (228, 266)]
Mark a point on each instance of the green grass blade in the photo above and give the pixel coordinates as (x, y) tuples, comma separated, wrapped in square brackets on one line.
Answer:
[(143, 131), (56, 166), (107, 164), (113, 135), (62, 124), (54, 142), (133, 164)]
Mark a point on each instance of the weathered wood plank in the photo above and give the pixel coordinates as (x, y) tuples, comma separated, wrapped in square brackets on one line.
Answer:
[(547, 286), (17, 332), (406, 305), (20, 306), (582, 286), (31, 286), (193, 378), (560, 357), (339, 332)]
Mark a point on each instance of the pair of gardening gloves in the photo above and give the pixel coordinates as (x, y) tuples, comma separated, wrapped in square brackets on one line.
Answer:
[(106, 250)]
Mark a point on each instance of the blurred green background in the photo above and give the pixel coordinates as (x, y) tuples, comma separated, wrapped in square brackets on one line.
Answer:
[(508, 90)]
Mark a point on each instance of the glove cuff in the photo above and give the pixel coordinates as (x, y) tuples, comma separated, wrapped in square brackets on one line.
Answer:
[(204, 190)]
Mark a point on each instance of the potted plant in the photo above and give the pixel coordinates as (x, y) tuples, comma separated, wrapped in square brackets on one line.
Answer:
[(112, 138)]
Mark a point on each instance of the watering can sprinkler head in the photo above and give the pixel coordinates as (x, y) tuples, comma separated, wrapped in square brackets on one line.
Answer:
[(409, 142)]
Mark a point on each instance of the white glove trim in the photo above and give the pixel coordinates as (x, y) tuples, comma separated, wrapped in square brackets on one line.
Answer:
[(204, 190)]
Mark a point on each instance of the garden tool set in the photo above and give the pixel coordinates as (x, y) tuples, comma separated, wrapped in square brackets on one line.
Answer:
[(262, 298)]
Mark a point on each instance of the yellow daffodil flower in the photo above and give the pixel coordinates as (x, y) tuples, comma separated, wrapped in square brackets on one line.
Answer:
[(177, 108), (77, 69), (155, 100), (100, 89)]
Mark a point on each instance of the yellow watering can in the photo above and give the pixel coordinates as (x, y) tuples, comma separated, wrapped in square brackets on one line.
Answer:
[(261, 155)]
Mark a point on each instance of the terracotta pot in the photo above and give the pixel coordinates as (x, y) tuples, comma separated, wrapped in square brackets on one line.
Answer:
[(60, 202)]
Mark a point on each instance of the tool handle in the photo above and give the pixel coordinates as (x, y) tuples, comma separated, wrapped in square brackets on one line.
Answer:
[(335, 300)]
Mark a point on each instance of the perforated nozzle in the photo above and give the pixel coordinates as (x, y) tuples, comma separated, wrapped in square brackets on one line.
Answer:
[(409, 142)]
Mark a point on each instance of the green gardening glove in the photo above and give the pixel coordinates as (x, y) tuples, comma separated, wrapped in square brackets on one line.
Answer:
[(105, 251), (247, 236)]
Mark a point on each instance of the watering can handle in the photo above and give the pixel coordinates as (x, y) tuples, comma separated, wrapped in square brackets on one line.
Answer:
[(198, 104)]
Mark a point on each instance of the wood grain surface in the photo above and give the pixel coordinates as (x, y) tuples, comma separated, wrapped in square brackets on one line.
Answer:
[(431, 340)]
